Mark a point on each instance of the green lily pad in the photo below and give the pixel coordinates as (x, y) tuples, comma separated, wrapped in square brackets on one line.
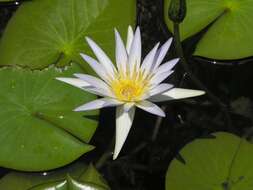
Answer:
[(25, 180), (223, 163), (71, 177), (38, 129), (69, 184), (231, 26), (45, 32)]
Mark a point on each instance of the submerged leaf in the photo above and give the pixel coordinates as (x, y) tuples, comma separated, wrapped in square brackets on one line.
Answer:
[(91, 175)]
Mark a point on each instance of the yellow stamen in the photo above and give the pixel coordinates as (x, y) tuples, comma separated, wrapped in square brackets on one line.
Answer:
[(130, 88)]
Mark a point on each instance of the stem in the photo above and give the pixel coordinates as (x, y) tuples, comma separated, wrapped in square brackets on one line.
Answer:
[(106, 155), (157, 126), (228, 183), (195, 80), (102, 160), (139, 148)]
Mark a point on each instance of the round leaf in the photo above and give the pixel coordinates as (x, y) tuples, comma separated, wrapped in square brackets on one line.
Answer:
[(229, 35), (74, 177), (38, 129), (44, 32), (69, 184), (25, 180), (222, 163)]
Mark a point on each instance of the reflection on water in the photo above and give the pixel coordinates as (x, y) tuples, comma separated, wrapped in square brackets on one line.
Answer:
[(224, 62)]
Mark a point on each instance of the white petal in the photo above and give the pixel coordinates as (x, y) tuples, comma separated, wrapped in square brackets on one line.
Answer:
[(99, 103), (162, 52), (99, 92), (175, 94), (84, 86), (157, 79), (95, 82), (74, 82), (124, 120), (135, 52), (149, 59), (121, 54), (97, 67), (151, 108), (130, 36), (102, 57), (161, 88), (128, 106), (166, 67)]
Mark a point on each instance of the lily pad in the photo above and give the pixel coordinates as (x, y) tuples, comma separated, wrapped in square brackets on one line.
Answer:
[(45, 32), (222, 163), (38, 129), (69, 184), (230, 27), (71, 177)]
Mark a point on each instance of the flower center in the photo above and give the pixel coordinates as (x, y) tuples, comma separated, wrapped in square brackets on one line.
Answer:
[(128, 90)]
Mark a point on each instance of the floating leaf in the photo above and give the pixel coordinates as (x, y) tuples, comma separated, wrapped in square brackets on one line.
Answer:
[(69, 184), (51, 180), (44, 32), (26, 180), (38, 129), (223, 163), (231, 26)]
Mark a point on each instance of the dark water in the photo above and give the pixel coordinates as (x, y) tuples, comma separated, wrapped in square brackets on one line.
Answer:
[(143, 162)]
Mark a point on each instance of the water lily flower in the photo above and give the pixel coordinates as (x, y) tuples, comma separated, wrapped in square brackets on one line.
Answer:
[(130, 83)]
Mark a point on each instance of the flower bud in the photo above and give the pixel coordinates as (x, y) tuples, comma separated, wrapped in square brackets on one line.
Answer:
[(177, 10)]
